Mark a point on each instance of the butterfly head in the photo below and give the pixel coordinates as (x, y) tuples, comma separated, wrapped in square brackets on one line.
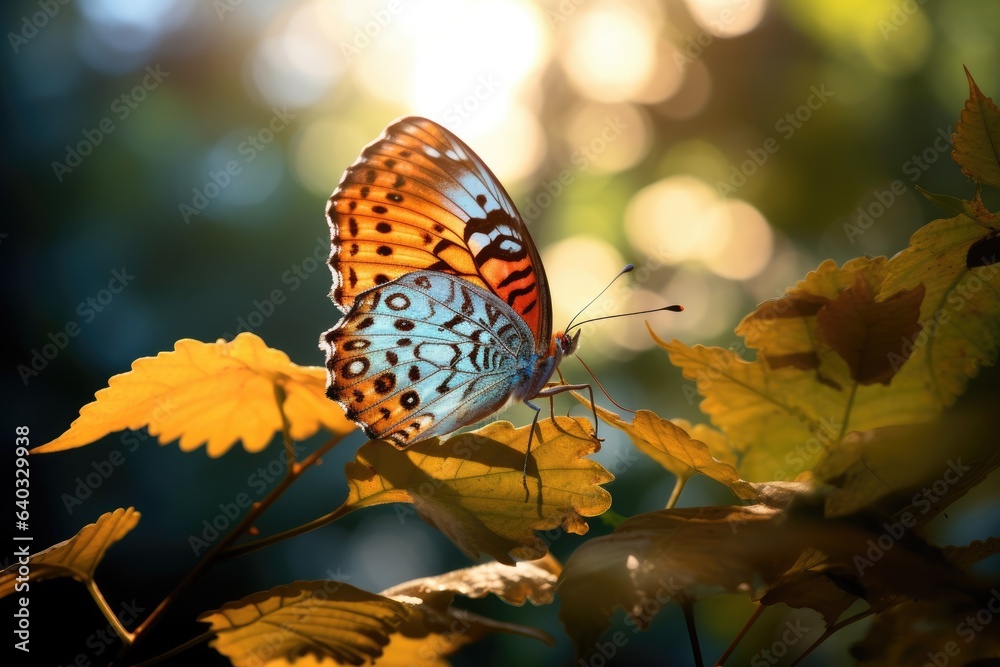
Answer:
[(563, 344)]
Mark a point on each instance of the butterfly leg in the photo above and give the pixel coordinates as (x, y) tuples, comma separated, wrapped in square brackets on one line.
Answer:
[(527, 452)]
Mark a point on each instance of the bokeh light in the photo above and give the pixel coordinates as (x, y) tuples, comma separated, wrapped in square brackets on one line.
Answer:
[(615, 125), (610, 50)]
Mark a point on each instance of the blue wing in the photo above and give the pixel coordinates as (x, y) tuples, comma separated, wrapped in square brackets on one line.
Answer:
[(426, 354)]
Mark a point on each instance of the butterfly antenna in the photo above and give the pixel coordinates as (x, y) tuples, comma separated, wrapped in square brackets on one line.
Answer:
[(601, 386), (628, 269)]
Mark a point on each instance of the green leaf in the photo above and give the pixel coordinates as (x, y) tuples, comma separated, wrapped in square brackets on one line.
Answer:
[(960, 313), (977, 137)]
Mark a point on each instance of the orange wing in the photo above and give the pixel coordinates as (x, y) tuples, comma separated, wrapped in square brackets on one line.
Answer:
[(418, 198)]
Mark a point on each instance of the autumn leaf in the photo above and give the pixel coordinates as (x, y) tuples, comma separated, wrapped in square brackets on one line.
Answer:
[(435, 629), (305, 618), (525, 580), (214, 393), (960, 313), (471, 486), (670, 445), (977, 137), (870, 335), (79, 556), (916, 471), (975, 552), (813, 381), (914, 632), (685, 554)]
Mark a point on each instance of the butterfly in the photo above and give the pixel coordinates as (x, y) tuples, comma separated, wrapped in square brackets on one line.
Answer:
[(447, 309)]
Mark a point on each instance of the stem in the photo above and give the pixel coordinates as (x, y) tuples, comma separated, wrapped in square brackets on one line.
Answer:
[(847, 413), (676, 493), (688, 607), (191, 643), (220, 547), (758, 610), (248, 547), (102, 604), (830, 632)]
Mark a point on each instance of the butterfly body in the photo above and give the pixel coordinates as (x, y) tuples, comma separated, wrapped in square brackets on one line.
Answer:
[(448, 314)]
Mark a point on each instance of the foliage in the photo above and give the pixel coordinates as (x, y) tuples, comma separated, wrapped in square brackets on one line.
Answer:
[(841, 436)]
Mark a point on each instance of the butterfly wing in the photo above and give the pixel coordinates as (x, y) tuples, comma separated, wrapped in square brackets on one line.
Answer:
[(425, 355), (418, 199)]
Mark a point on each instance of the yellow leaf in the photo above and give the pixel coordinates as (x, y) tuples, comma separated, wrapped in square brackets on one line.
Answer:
[(434, 629), (78, 556), (214, 393), (977, 137), (471, 486), (323, 619), (824, 352), (526, 580), (960, 313), (670, 445)]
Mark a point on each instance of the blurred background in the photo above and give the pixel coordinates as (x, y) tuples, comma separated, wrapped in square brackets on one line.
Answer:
[(168, 162)]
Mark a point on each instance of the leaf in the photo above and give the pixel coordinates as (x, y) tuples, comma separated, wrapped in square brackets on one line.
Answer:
[(670, 445), (435, 629), (918, 632), (973, 208), (977, 137), (688, 553), (960, 314), (916, 470), (788, 409), (526, 580), (79, 556), (214, 393), (983, 252), (977, 551), (305, 618), (870, 335), (471, 486)]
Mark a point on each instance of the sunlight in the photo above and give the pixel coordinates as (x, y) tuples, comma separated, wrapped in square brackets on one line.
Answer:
[(610, 51), (727, 18)]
